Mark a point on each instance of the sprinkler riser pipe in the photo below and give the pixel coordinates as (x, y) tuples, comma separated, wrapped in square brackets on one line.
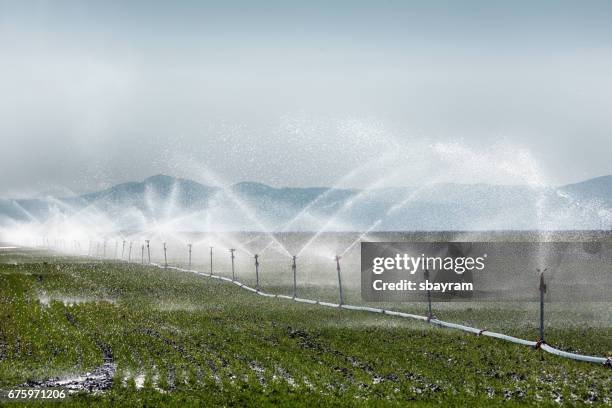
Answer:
[(339, 280), (257, 272), (232, 250), (294, 268), (429, 311), (211, 261), (542, 292)]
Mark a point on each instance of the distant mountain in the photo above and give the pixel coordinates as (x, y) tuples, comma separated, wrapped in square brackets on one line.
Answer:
[(598, 188), (180, 204)]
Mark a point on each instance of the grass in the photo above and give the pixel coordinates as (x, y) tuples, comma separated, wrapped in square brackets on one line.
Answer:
[(180, 339)]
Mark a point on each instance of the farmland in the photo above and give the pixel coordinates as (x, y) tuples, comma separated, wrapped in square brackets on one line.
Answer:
[(152, 335)]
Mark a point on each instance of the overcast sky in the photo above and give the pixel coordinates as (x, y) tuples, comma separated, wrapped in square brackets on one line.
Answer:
[(300, 93)]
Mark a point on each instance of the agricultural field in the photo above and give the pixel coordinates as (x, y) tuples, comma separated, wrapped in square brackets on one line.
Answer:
[(132, 334)]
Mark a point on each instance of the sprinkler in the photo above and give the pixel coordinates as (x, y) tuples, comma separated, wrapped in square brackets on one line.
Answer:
[(122, 249), (542, 292), (148, 249), (257, 272), (165, 257), (189, 246), (232, 250), (211, 269), (294, 269), (429, 313), (339, 280), (130, 253)]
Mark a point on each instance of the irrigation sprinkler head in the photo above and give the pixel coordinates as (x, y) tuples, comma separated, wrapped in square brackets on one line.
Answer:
[(256, 259), (542, 287)]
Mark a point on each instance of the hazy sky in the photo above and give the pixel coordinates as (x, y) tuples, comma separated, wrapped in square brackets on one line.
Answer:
[(299, 93)]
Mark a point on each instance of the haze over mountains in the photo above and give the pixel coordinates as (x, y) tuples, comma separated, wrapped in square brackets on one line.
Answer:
[(186, 205)]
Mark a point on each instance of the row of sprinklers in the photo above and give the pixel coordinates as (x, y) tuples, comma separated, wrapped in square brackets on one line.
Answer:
[(102, 247), (145, 248)]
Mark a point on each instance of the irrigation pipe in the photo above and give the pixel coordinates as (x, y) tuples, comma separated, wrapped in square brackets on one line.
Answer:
[(479, 332)]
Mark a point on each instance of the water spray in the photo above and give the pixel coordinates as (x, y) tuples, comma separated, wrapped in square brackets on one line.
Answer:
[(189, 246), (148, 241), (104, 252), (232, 250), (130, 253), (257, 272), (429, 312), (542, 289), (294, 269), (211, 268), (122, 249), (142, 254), (165, 256), (97, 249), (339, 279), (116, 246)]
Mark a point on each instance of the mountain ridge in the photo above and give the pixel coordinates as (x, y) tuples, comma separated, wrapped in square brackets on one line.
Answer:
[(586, 204)]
